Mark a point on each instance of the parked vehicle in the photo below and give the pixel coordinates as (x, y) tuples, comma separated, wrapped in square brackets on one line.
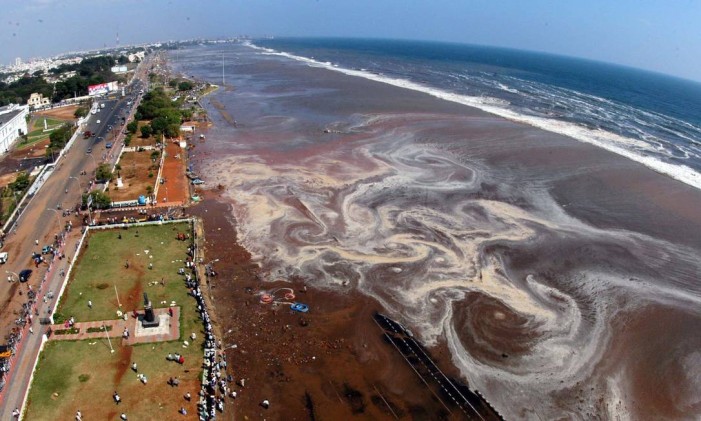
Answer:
[(197, 181), (87, 134), (108, 145), (3, 257), (24, 275)]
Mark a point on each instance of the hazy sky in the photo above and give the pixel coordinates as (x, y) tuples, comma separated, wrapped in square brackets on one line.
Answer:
[(659, 35)]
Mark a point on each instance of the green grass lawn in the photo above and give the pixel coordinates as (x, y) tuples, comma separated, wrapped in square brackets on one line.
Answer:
[(101, 269), (82, 375), (37, 133), (74, 375), (50, 123)]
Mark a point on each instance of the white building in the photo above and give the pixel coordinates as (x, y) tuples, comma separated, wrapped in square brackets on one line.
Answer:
[(119, 69), (37, 101), (136, 56), (13, 123)]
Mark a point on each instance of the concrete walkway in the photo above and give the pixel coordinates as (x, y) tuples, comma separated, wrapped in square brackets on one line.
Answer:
[(118, 326)]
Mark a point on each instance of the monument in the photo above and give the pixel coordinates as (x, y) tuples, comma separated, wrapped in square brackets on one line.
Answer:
[(149, 319)]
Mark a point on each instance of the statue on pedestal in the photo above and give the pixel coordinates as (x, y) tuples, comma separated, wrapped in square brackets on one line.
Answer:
[(149, 319)]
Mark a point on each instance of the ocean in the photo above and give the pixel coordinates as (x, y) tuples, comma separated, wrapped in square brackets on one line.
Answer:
[(651, 118), (532, 219)]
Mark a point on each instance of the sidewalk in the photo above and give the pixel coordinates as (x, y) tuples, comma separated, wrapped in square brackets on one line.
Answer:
[(20, 374)]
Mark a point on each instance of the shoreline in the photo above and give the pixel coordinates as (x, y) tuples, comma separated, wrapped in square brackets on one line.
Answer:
[(555, 158), (679, 173)]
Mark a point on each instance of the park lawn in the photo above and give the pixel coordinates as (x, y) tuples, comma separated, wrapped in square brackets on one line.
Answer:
[(64, 365), (82, 375), (38, 123), (137, 140), (101, 268), (135, 170)]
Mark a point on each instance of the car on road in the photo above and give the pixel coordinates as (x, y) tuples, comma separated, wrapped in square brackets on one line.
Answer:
[(24, 275), (197, 181), (3, 257), (98, 121), (108, 145)]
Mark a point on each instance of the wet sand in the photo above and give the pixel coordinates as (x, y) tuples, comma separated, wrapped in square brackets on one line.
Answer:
[(541, 270), (329, 364)]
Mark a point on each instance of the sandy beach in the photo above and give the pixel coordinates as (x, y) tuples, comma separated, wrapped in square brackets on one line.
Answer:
[(556, 278)]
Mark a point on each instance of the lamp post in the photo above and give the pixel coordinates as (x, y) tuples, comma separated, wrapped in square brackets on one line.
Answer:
[(80, 186), (58, 218), (207, 270), (93, 159)]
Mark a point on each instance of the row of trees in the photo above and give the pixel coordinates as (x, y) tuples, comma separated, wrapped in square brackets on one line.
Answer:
[(183, 85), (58, 139), (164, 113), (91, 71)]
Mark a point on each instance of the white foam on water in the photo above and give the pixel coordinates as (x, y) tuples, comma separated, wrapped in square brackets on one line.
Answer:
[(611, 142)]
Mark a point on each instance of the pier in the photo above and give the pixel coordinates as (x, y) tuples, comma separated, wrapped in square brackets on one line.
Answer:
[(455, 397)]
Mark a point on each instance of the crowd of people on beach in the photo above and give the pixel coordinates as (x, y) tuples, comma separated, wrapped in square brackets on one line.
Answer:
[(215, 388)]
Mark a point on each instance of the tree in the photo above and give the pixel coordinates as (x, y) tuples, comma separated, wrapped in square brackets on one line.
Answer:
[(21, 182), (146, 131), (123, 59), (133, 126), (173, 83), (185, 85), (100, 200), (80, 112), (59, 137), (103, 173)]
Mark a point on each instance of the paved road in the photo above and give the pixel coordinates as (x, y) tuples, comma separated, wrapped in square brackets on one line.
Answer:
[(39, 225)]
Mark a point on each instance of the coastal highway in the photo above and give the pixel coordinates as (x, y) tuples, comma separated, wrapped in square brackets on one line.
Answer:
[(39, 222)]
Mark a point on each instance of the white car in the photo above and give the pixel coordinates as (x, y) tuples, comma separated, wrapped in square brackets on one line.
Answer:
[(98, 121)]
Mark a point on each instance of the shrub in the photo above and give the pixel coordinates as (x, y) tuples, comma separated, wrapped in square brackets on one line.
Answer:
[(69, 331), (99, 329)]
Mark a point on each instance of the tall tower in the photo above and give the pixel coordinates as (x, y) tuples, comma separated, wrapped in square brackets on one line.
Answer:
[(18, 61), (117, 39)]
